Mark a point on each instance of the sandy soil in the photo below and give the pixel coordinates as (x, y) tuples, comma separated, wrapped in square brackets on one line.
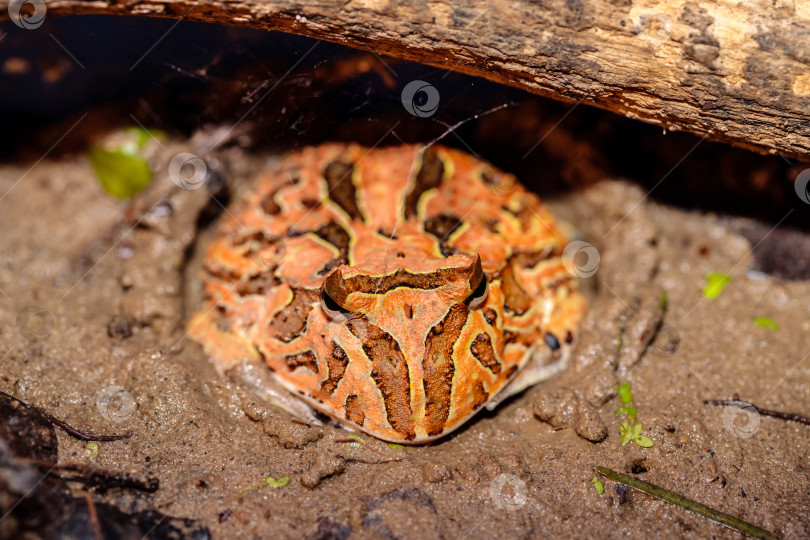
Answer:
[(117, 282)]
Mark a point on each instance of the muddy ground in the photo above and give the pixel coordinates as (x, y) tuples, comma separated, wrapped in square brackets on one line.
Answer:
[(115, 284)]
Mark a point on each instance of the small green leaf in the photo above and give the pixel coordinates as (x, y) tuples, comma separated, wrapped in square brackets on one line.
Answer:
[(664, 301), (350, 441), (598, 485), (626, 433), (396, 446), (356, 438), (766, 322), (643, 441), (715, 283), (636, 430), (280, 483), (93, 447), (269, 481), (625, 395), (632, 412), (121, 174)]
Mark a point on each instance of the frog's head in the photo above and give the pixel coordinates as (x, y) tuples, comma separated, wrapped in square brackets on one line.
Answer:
[(433, 337)]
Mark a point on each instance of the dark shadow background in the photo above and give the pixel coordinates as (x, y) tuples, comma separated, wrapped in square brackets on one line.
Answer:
[(181, 76)]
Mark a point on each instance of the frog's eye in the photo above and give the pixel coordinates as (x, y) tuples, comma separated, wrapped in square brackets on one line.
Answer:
[(479, 295), (331, 307)]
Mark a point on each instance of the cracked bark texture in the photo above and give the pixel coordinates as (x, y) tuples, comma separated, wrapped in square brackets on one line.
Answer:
[(730, 70)]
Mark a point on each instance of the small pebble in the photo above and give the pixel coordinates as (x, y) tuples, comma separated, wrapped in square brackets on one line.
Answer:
[(435, 472)]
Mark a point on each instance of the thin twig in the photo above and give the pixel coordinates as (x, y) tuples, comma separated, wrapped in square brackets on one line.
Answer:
[(736, 402), (687, 504), (81, 435), (67, 428), (91, 510)]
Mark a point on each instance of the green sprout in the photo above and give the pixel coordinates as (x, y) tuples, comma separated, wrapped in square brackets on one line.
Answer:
[(715, 283), (269, 481), (396, 446), (598, 485), (631, 412), (664, 301), (280, 483), (632, 433), (93, 447), (357, 438), (766, 322), (625, 395), (630, 430)]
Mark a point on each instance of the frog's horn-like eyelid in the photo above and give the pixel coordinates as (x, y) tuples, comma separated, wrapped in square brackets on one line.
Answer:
[(339, 288), (478, 291), (333, 287), (477, 273), (327, 299)]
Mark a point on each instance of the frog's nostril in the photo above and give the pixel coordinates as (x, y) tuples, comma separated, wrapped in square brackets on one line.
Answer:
[(408, 309)]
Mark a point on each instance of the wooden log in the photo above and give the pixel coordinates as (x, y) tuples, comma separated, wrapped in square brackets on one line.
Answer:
[(729, 70)]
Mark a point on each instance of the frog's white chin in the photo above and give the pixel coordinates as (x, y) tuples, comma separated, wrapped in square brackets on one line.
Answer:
[(541, 366)]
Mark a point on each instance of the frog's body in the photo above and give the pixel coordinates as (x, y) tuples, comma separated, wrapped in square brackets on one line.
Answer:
[(398, 290)]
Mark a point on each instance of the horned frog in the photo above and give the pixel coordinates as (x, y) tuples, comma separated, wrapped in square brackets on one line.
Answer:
[(398, 290)]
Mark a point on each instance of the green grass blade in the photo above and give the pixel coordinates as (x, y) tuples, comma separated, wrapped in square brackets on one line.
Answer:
[(687, 504)]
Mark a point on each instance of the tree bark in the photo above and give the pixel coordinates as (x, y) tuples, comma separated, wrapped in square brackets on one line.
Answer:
[(730, 70)]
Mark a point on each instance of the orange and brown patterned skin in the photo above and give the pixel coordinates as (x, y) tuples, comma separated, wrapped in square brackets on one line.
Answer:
[(396, 289)]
